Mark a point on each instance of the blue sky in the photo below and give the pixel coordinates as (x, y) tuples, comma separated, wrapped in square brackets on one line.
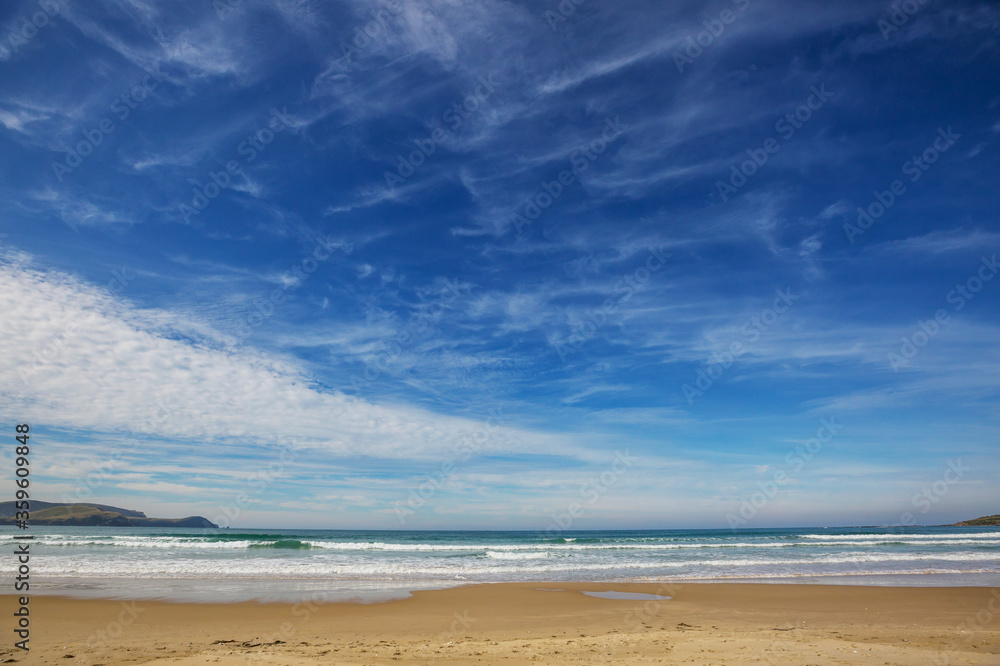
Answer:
[(432, 265)]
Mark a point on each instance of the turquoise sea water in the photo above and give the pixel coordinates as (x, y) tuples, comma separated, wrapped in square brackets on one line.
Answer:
[(203, 564)]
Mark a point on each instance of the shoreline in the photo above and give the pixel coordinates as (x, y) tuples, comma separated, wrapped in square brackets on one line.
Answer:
[(365, 591), (536, 622)]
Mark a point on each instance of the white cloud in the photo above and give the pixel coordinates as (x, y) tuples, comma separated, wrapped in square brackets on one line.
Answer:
[(162, 487), (810, 245), (79, 212), (208, 48), (834, 210), (149, 161), (18, 119), (77, 358), (942, 242)]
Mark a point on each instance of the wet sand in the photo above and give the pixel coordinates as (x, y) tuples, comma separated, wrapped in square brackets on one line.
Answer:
[(518, 623)]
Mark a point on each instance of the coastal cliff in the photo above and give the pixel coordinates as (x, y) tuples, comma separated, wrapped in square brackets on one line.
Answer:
[(71, 515)]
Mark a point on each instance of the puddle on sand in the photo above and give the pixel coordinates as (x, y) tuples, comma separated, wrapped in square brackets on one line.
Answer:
[(630, 596)]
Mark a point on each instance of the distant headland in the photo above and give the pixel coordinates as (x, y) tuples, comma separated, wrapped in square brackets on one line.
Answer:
[(101, 515), (985, 521)]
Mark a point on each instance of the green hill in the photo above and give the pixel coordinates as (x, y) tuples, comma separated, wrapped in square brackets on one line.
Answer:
[(77, 514), (7, 509), (985, 521), (59, 514)]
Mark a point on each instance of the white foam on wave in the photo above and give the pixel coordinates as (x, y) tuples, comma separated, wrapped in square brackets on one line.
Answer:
[(153, 542), (504, 555), (892, 540), (905, 537), (407, 547), (498, 566)]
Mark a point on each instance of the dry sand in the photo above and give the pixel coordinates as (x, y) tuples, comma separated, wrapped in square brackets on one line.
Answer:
[(520, 623)]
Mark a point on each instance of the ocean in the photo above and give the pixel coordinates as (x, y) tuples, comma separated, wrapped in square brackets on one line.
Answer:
[(290, 565)]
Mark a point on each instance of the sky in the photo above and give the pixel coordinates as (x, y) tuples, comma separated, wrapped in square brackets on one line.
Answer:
[(504, 265)]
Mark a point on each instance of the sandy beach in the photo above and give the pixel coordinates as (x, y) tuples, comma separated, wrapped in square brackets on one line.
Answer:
[(519, 623)]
